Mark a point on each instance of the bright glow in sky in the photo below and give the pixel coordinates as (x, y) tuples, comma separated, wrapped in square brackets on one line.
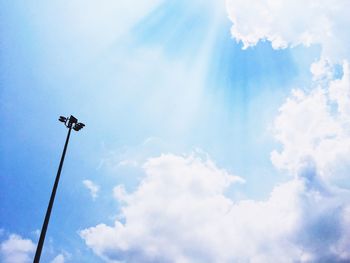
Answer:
[(215, 131)]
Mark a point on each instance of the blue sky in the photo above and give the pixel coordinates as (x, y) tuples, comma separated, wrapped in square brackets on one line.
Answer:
[(160, 78)]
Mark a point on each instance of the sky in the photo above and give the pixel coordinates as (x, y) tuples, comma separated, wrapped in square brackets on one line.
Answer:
[(216, 131)]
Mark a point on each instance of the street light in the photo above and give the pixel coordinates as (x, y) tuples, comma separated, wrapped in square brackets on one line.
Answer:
[(70, 123)]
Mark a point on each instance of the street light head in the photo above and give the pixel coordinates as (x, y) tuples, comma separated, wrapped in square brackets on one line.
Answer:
[(71, 122), (62, 119), (78, 126)]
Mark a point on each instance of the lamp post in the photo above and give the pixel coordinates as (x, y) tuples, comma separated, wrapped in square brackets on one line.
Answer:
[(70, 123)]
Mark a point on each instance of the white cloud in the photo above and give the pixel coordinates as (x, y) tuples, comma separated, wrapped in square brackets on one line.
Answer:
[(92, 187), (59, 259), (119, 192), (315, 126), (17, 249), (293, 22), (179, 213)]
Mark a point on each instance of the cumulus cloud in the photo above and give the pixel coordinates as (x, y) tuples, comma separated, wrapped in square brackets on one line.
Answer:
[(179, 213), (59, 259), (312, 126), (292, 22), (92, 187), (316, 125), (17, 249)]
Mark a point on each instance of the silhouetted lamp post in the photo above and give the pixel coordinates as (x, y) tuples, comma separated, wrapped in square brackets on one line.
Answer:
[(70, 123)]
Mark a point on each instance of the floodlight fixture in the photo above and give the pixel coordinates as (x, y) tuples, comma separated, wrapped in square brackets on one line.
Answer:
[(62, 119), (78, 126), (72, 119)]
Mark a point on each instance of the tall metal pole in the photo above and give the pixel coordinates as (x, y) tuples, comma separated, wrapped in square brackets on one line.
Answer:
[(52, 199)]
